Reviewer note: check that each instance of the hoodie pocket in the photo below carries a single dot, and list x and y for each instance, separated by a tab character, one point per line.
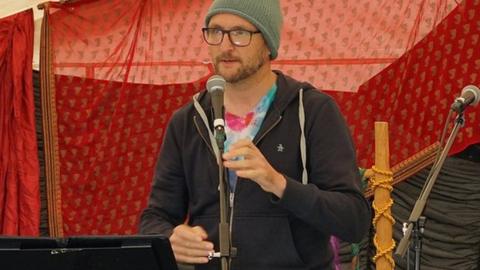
265	242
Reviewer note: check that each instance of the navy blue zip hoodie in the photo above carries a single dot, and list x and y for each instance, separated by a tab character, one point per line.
269	233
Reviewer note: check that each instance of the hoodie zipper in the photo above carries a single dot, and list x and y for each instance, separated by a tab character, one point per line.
268	130
232	193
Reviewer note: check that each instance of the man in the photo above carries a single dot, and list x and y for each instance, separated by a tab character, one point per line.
277	222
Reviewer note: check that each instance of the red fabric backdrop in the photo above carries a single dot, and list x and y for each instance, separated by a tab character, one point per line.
116	62
19	169
109	137
414	94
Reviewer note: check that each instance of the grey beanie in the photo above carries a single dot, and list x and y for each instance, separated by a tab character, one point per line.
266	15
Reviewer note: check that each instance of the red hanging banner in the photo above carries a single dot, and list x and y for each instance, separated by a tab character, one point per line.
19	168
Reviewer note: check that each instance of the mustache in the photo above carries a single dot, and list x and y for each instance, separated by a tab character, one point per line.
226	56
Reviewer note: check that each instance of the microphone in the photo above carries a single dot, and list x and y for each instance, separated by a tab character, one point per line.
470	96
216	87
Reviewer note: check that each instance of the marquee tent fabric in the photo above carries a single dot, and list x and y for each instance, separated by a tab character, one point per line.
415	92
336	45
114	72
19	169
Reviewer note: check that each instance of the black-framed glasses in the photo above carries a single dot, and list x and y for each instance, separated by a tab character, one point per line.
238	37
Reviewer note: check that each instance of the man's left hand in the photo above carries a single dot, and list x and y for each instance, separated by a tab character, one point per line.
248	162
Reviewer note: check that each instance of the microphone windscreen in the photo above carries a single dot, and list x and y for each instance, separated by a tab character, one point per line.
215	83
473	92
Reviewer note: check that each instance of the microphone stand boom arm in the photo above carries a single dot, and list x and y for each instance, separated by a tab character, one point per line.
413	220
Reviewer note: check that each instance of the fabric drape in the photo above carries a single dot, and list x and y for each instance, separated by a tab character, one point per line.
120	68
19	170
414	94
335	45
452	231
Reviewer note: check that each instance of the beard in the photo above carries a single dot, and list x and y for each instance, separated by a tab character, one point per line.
247	67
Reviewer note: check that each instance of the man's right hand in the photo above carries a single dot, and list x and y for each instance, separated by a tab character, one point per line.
189	245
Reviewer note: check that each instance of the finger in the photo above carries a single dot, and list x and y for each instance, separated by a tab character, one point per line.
243	143
187	241
187	233
200	232
200	245
192	252
184	235
248	174
242	164
190	260
245	152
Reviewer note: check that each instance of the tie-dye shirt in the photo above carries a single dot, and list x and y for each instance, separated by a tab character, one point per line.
238	127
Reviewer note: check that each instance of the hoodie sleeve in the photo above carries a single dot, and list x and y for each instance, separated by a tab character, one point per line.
161	215
332	200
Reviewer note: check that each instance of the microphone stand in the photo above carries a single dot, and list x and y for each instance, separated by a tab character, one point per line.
223	226
416	222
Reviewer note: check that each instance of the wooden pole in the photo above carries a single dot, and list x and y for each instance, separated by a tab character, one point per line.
382	186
